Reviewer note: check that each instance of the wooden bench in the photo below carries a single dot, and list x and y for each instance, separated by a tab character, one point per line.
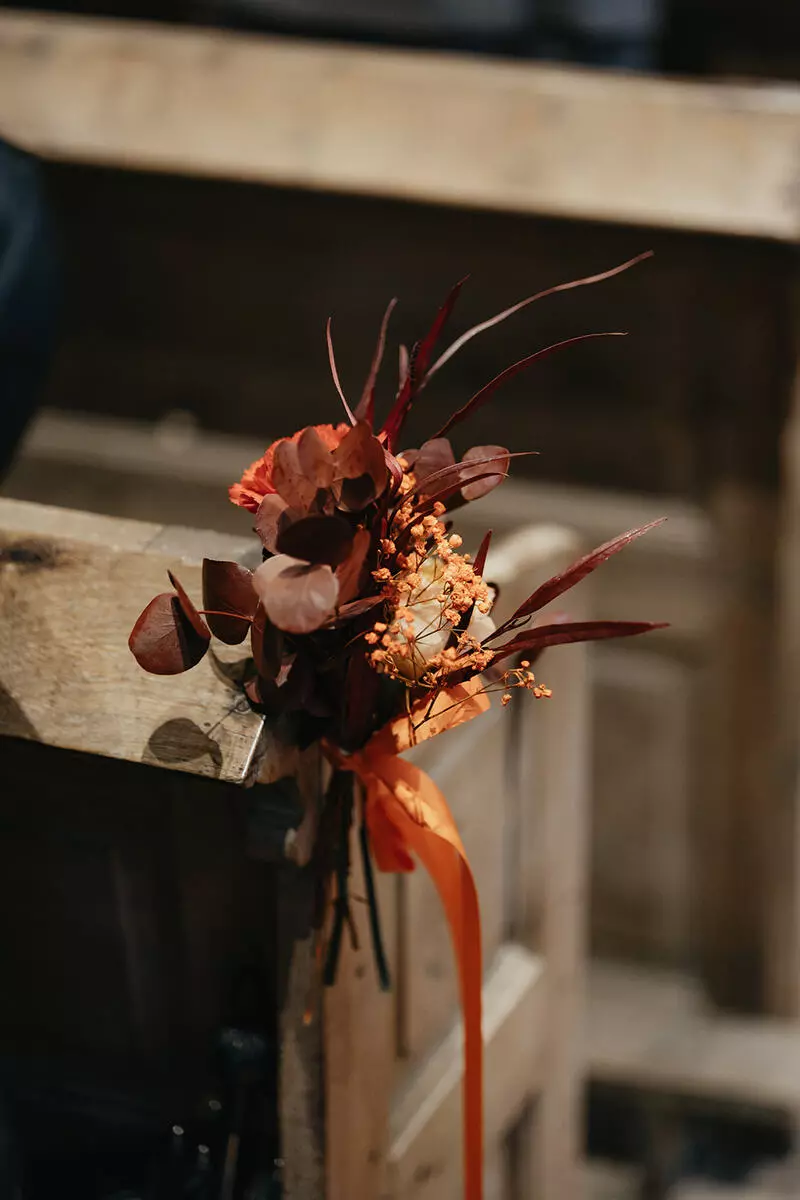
140	872
131	903
685	160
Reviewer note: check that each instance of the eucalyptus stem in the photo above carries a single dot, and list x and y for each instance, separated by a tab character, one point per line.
342	789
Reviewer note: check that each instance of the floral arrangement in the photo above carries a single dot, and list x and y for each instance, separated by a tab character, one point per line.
370	630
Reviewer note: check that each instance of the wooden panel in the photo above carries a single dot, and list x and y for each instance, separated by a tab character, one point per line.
738	781
697	156
655	1030
126	894
127	891
71	586
782	910
424	1153
643	830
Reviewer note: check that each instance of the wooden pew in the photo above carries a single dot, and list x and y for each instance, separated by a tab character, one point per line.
703	172
565	142
132	888
687	158
181	878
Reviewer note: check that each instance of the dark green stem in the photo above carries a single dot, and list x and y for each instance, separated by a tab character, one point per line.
381	964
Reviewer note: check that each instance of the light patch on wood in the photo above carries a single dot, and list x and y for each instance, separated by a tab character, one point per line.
71	587
707	156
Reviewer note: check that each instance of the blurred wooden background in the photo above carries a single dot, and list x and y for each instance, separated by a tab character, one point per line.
201	269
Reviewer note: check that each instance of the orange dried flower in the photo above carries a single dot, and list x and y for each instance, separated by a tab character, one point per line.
256	481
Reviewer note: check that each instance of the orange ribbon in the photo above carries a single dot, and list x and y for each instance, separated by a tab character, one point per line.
405	813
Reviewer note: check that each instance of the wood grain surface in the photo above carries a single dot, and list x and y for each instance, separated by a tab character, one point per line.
71	587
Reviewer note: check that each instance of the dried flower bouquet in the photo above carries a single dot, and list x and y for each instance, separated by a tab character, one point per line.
370	630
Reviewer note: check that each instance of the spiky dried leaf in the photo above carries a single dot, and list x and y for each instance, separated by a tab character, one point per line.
413	370
462	340
487	391
335	373
366	405
552	588
565	632
480	558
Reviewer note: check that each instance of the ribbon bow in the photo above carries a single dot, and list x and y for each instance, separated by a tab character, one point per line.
407	814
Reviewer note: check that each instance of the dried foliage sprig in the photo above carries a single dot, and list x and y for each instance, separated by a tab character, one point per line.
371	629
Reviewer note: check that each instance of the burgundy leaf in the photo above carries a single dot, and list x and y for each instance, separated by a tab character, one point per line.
434	455
463	472
353	495
273	516
266	642
359	453
164	641
578	570
444	496
298	597
361	470
550	618
480	398
189	611
314	458
360	701
366	405
573	631
288	477
335	373
417	368
509	312
479	454
228	588
349	572
317	539
480	557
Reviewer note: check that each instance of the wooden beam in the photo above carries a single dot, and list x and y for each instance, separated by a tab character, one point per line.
72	700
655	1031
443	129
71	586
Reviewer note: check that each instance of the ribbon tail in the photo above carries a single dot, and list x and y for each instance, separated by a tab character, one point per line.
413	804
